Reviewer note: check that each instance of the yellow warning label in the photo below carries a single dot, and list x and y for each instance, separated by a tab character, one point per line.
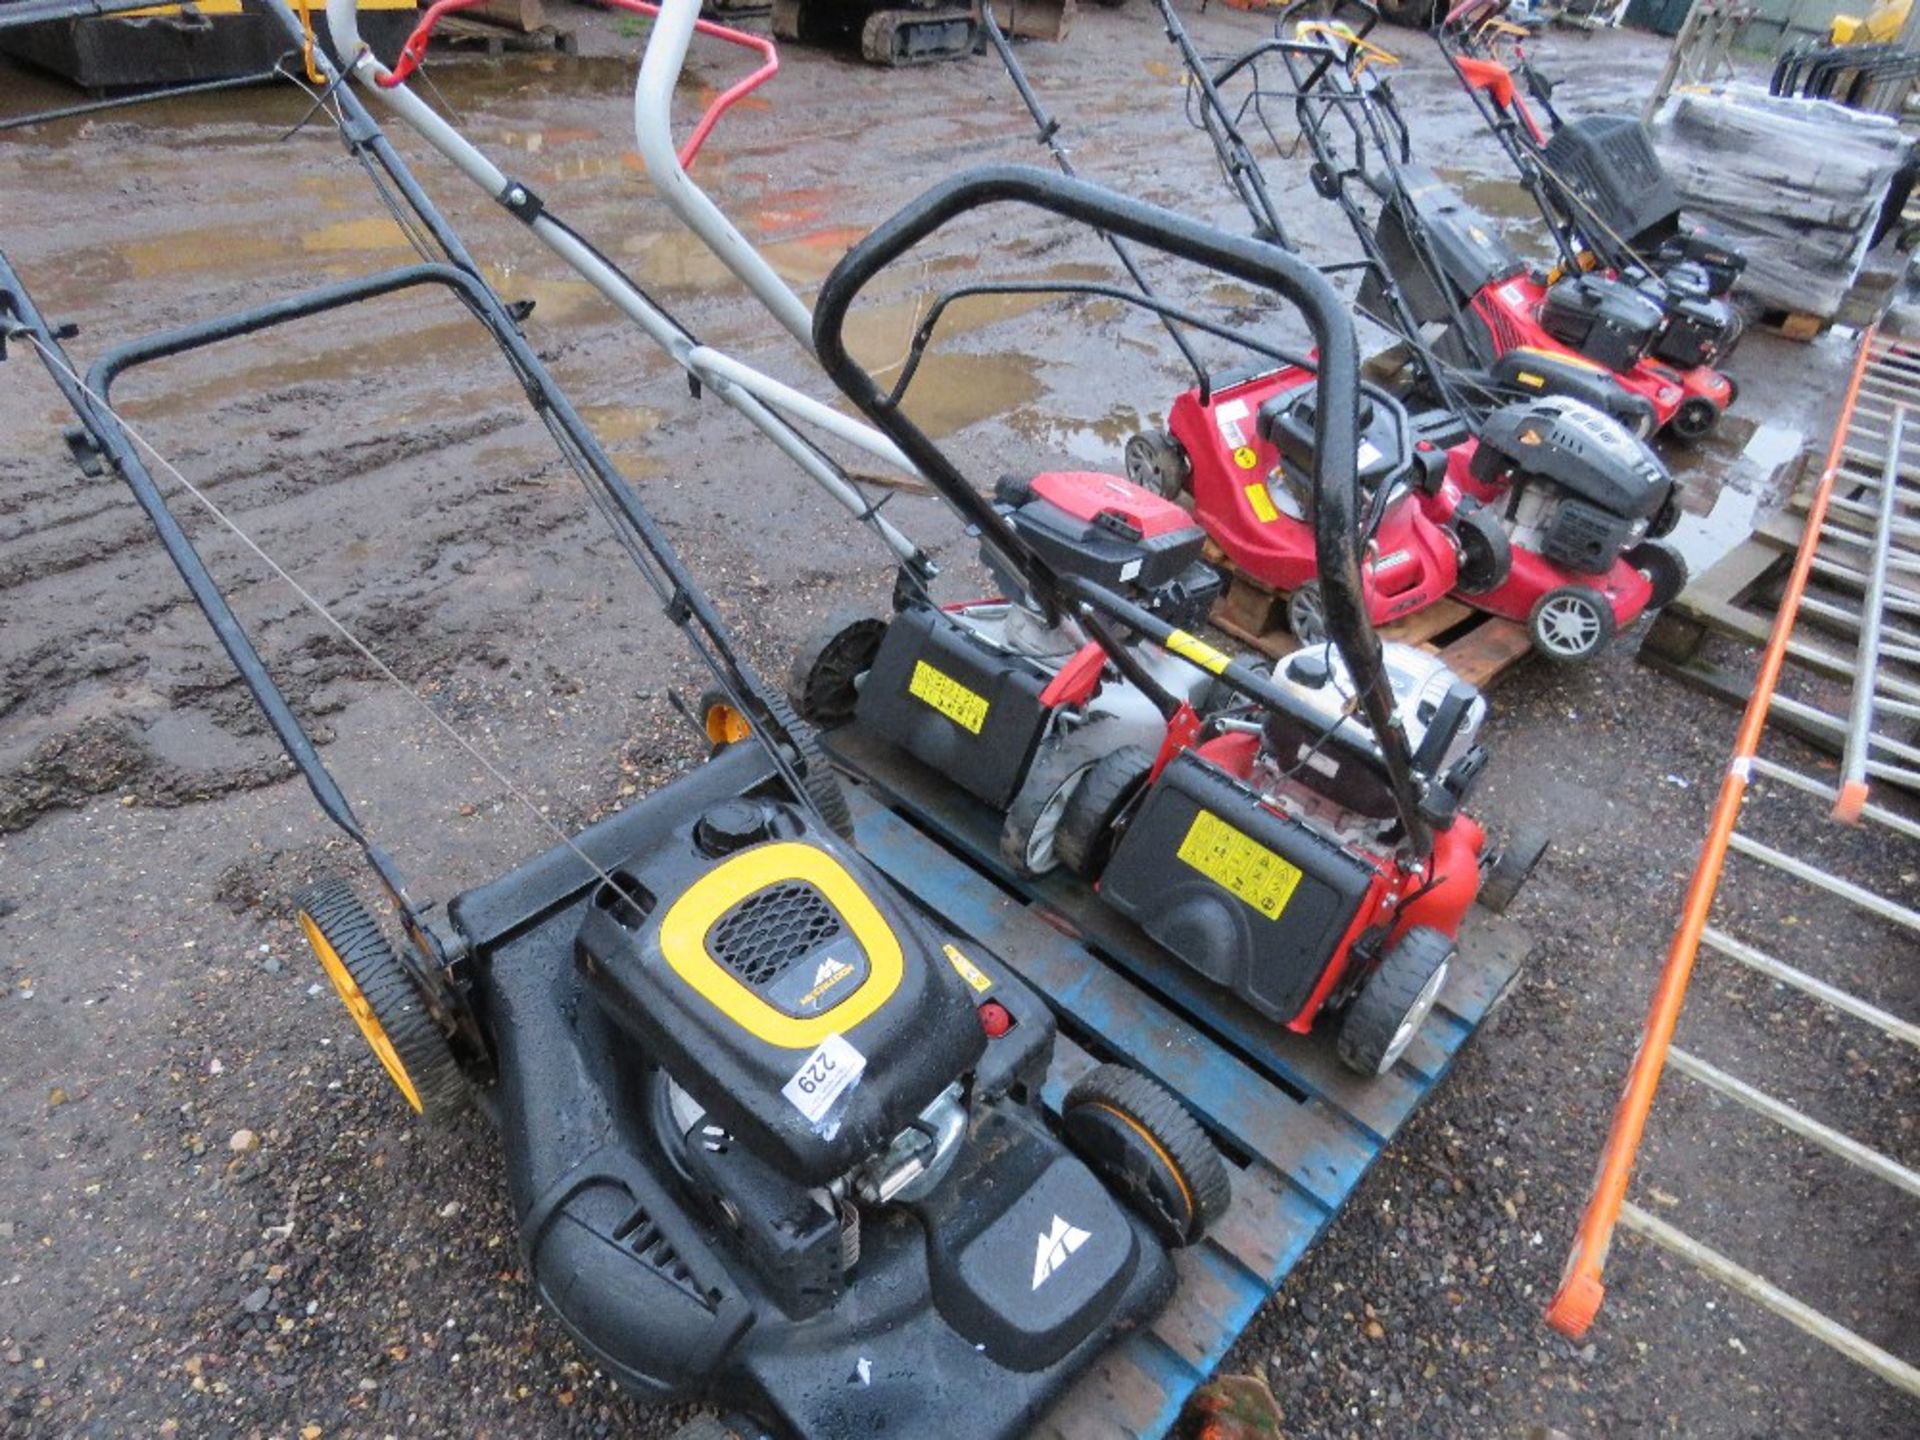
1241	864
1245	458
969	972
1527	377
1262	503
964	707
1192	647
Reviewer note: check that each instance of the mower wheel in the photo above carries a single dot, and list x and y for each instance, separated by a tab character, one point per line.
1694	420
1148	1150
1511	867
1486	555
1571	624
1665	569
1416	14
1085	837
817	776
1307	614
382	996
1388	1012
825	680
1156	462
1032	826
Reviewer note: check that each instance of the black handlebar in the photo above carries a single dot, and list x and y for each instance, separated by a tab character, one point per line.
1251	261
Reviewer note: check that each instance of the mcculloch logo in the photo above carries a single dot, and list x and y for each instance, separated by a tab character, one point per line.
830	974
1055	1246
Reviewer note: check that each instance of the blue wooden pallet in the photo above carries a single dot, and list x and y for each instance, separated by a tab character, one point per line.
1309	1127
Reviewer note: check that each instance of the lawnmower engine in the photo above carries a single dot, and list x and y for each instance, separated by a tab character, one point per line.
1572	485
1607	320
1701	328
774	1140
1270	857
973	690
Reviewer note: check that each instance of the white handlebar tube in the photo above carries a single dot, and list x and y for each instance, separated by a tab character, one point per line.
746	390
660	66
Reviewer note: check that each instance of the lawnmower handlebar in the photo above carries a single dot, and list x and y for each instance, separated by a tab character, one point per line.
1336	413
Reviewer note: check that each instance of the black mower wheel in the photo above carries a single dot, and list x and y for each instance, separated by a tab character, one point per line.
1029	834
1416	14
1665	569
1387	1013
1571	624
382	997
825	680
1486	554
1148	1150
1307	614
817	775
1155	461
1694	420
1085	837
1510	869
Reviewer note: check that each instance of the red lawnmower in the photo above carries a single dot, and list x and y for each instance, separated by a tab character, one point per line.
1299	836
1550	517
1434	264
1599	186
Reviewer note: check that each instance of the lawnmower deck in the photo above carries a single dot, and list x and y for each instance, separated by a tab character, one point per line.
1477	647
1308	1127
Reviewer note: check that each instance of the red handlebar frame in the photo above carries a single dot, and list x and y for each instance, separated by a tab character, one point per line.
414	51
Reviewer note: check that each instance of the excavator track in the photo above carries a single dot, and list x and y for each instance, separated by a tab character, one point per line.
916	37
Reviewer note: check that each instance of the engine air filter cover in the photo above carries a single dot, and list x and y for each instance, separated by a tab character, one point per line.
788	992
1568	443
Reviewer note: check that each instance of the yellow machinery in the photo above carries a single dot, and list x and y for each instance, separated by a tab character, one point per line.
1879	26
202	40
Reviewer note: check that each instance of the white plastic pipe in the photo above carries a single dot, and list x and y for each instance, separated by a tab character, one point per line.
660	68
738	385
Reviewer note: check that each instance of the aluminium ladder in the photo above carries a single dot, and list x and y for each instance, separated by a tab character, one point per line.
1793	833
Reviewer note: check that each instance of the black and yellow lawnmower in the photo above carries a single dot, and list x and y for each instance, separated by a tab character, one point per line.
773	1133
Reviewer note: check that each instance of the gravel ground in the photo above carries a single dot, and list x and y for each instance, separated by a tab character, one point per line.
214	1220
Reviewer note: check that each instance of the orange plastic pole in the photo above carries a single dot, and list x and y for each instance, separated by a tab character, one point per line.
1578	1299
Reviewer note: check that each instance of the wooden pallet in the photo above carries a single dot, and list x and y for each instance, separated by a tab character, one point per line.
1800	325
1478	648
1308	1127
463	32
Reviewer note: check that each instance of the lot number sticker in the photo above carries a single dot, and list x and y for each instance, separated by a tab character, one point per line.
823	1077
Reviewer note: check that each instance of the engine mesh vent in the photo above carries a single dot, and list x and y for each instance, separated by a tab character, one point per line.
766	933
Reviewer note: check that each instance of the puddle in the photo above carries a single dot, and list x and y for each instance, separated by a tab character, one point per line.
953	390
554	298
1060	443
1704	539
1772	446
615	424
1747	484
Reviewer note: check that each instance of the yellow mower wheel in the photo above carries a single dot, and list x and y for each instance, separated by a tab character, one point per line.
382	997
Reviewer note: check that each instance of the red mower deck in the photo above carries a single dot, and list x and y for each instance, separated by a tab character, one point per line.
1308	1126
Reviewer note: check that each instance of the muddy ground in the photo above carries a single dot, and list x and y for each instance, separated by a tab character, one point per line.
351	1273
